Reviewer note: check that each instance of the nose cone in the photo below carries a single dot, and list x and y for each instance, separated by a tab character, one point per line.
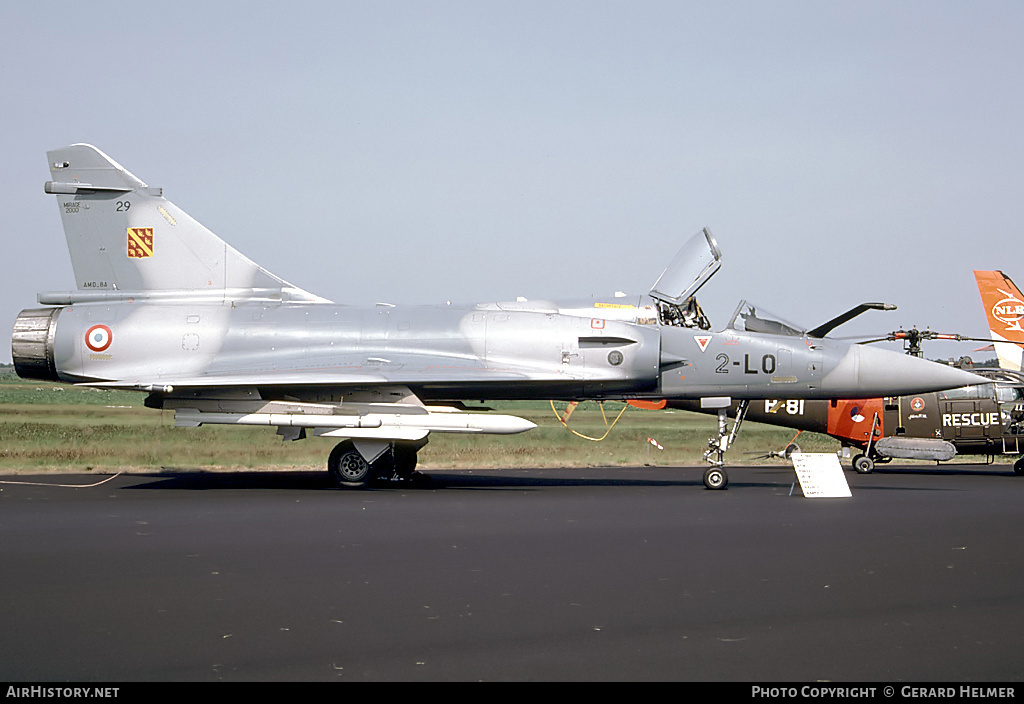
869	372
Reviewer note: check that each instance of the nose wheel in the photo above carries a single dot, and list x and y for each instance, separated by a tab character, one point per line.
715	476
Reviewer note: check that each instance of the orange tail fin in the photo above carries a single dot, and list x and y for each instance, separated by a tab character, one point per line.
1004	308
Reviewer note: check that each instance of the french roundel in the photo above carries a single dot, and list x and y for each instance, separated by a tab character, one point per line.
98	338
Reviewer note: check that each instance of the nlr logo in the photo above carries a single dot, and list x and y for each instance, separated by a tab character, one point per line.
1009	311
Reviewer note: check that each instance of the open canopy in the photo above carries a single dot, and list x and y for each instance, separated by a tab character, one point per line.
693	265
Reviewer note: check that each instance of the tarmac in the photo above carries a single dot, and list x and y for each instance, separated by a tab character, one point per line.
588	575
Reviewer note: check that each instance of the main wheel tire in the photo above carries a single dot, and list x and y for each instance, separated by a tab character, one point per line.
1018	466
863	464
348	468
715	478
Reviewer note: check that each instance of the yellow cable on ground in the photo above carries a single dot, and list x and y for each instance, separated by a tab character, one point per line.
64	486
572	407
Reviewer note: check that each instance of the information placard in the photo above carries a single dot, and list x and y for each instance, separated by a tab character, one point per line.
820	475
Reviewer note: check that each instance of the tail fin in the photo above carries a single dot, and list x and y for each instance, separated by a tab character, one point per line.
1004	307
126	239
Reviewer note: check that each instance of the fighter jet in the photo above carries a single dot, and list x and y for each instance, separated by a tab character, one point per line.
165	307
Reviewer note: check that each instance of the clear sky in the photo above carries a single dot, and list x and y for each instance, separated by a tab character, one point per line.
418	152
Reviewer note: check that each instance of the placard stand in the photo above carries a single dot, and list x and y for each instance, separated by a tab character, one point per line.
820	475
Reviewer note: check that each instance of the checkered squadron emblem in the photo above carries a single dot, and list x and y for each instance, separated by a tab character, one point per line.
140	242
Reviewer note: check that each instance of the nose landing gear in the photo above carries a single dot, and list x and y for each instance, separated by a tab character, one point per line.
715	476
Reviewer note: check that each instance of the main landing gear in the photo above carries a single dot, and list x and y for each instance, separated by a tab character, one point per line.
864	463
715	476
355	467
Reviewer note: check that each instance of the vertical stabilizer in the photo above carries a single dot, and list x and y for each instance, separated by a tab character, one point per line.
1004	308
124	236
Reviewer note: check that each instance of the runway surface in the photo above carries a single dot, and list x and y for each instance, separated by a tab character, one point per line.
604	574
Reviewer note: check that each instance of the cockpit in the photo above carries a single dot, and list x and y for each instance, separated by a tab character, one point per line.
675	290
751	318
674	295
687	315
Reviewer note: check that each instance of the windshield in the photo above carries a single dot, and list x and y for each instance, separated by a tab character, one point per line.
1009	394
975	391
750	318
